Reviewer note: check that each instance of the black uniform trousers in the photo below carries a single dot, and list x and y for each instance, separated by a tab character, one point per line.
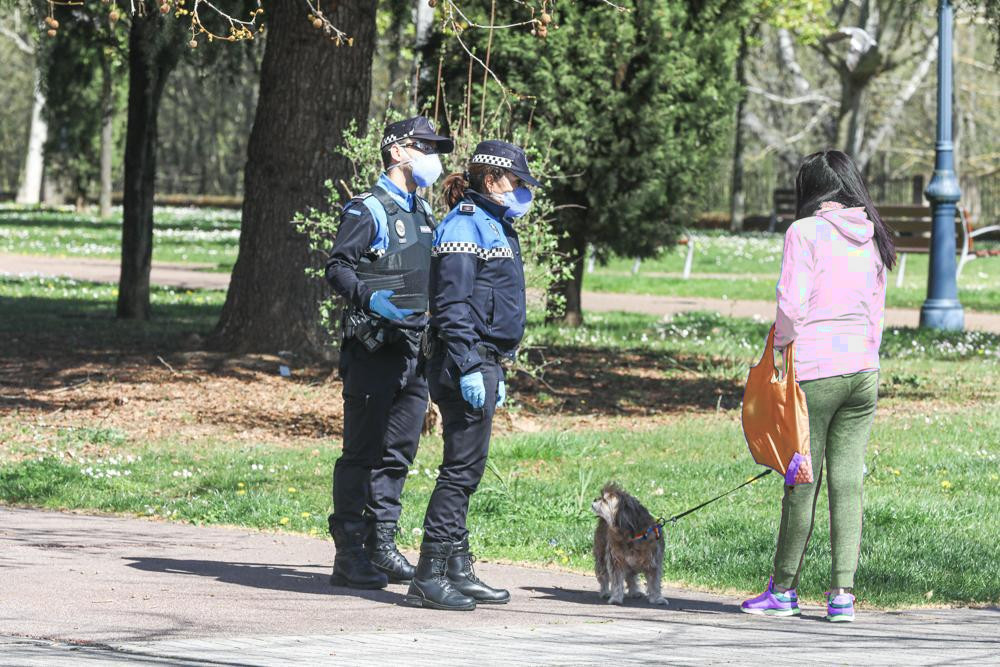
466	445
385	400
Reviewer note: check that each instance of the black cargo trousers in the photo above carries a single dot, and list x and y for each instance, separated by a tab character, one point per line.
467	433
385	401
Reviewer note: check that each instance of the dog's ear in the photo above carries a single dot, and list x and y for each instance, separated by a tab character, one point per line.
629	515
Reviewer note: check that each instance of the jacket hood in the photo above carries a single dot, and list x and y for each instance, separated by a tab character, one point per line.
852	223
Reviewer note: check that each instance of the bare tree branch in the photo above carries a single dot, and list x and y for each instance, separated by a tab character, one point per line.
896	109
811	98
774	141
19	41
786	55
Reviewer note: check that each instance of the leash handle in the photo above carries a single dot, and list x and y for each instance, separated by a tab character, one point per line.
675	517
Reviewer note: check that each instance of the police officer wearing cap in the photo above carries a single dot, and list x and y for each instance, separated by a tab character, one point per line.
477	302
380	264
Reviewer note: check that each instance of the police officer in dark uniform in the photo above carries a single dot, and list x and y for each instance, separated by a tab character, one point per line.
380	264
477	301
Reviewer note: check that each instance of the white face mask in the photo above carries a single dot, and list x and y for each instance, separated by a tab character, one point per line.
426	169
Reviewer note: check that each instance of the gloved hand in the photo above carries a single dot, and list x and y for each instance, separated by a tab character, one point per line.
501	393
381	305
473	389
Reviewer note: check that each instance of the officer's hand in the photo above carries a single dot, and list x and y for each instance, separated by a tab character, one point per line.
473	389
501	393
380	304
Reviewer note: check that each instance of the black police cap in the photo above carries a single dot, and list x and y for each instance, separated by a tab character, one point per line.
506	155
416	128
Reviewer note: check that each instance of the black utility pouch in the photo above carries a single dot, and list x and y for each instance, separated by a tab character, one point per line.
365	330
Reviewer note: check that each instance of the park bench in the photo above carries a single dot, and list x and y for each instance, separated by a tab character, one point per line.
783	210
911	223
912	227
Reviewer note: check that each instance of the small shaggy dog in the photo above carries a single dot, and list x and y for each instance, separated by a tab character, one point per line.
628	542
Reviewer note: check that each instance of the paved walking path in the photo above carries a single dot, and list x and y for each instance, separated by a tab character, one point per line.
184	276
79	589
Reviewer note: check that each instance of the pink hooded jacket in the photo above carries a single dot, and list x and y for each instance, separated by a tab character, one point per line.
831	294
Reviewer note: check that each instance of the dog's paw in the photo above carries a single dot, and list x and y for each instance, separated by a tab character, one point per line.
636	594
605	594
615	599
659	600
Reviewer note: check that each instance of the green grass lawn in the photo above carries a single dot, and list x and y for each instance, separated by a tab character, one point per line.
211	236
81	315
754	261
931	490
180	235
930	494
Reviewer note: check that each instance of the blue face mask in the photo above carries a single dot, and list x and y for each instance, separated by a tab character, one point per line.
518	201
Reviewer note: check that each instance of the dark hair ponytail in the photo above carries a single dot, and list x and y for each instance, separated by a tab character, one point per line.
455	186
457	183
833	176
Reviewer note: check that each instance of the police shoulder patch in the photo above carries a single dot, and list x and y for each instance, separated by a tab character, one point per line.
466	209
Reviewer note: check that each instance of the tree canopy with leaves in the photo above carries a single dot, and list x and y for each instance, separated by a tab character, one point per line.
634	105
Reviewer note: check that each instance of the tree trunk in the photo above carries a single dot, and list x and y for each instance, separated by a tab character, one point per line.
851	118
107	147
737	194
574	248
30	190
152	55
309	91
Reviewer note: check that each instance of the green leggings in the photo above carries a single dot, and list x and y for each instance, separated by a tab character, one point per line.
841	411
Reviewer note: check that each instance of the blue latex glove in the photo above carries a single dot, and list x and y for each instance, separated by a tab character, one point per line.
473	389
501	393
380	304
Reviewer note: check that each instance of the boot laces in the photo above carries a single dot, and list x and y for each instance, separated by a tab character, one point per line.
470	571
440	573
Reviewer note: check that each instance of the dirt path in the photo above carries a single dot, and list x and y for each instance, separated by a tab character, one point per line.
671	305
188	277
185	276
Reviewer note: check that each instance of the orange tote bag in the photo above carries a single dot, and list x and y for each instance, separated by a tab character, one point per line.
775	418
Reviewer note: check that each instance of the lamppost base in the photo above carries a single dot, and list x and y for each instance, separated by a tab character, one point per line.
942	314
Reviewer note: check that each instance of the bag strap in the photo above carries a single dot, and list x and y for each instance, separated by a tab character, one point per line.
768	355
790	361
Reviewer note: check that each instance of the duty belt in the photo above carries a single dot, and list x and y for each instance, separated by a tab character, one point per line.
434	342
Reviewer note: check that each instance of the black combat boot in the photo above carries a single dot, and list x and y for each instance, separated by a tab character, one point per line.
351	566
385	556
464	578
431	587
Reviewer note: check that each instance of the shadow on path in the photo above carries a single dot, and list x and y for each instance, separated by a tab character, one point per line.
589	597
287	578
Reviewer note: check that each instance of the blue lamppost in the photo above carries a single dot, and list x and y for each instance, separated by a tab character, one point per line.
942	310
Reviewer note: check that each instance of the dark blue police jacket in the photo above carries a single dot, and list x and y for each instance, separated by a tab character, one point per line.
477	292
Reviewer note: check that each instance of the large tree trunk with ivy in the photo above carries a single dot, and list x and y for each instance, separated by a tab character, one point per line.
153	50
310	90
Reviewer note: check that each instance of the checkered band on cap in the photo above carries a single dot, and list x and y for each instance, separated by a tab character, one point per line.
392	138
495	160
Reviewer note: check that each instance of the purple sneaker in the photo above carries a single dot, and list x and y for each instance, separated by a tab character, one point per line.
772	603
839	608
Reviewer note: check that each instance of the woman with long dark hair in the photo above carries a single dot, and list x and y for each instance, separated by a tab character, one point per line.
477	303
831	304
